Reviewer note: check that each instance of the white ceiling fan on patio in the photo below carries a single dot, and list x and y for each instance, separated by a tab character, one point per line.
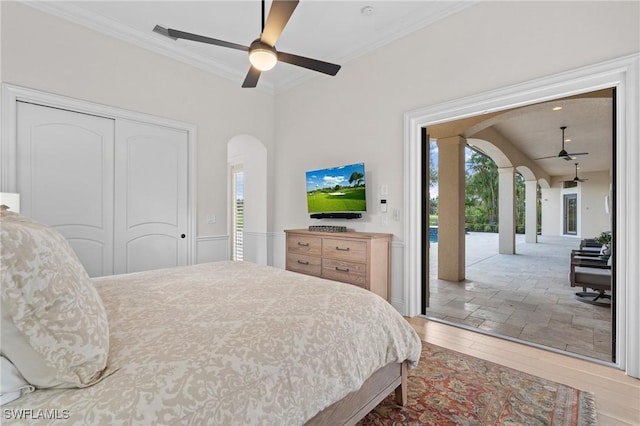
563	153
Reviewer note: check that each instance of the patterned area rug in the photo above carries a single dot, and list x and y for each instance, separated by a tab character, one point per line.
451	388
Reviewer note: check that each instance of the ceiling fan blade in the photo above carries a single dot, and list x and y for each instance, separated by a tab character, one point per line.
572	156
162	30
545	158
566	157
251	80
312	64
176	34
279	14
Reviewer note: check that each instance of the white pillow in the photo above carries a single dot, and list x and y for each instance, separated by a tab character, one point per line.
12	384
54	325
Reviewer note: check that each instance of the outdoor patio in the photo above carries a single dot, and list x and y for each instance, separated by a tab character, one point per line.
525	296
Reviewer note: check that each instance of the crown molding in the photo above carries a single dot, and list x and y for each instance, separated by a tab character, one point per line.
151	41
158	44
407	25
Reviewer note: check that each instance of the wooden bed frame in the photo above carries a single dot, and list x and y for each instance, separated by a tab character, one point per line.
353	407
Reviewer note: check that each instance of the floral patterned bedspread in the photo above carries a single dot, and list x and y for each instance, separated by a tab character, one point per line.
228	343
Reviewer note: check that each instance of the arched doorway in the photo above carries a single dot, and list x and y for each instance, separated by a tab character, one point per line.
247	171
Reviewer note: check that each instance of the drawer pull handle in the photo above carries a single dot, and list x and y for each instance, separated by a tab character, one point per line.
342	249
303	263
303	244
342	269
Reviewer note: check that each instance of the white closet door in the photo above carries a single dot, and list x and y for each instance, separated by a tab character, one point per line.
151	197
65	178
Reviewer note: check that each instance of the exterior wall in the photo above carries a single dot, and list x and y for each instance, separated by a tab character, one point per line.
551	211
595	218
592	218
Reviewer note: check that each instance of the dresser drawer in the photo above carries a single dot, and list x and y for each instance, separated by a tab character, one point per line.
348	250
357	258
348	272
305	264
304	244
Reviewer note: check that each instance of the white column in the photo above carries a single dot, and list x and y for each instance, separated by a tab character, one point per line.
506	205
531	211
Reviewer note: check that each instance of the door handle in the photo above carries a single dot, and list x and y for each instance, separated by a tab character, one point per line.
182	236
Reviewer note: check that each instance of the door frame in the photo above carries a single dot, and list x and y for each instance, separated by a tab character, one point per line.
623	74
11	94
566	198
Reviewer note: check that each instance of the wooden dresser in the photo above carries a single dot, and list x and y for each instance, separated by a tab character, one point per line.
359	258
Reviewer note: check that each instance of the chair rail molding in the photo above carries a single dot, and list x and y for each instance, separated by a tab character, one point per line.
623	74
212	248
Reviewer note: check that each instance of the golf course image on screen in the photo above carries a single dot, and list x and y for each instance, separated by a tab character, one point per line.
336	189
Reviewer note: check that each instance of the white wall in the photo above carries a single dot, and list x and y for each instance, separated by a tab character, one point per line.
358	115
43	52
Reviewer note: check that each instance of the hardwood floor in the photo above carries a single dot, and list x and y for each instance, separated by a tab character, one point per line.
617	395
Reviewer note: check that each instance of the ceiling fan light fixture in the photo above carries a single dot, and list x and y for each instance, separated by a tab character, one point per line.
262	56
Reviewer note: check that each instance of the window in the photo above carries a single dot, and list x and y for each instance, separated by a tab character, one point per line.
237	179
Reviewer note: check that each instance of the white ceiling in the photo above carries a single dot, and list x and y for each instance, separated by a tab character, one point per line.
535	131
334	31
331	31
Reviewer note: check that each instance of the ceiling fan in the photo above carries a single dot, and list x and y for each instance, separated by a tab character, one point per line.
577	179
563	153
262	52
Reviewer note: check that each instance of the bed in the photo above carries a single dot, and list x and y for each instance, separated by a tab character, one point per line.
229	343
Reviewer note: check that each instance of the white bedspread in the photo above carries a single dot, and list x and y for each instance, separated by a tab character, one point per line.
229	343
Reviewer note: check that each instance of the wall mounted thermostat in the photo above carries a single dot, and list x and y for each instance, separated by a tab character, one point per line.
383	206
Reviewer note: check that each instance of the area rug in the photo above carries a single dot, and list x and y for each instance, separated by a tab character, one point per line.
451	388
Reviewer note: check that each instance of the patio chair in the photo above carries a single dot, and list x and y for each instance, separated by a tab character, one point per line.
590	243
591	273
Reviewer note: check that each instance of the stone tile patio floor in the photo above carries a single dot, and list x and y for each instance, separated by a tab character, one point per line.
525	296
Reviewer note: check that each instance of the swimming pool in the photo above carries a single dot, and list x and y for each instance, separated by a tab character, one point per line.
433	234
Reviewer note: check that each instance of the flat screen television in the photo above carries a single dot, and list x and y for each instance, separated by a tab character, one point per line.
337	190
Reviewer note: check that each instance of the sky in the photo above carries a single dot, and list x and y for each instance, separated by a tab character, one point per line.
328	178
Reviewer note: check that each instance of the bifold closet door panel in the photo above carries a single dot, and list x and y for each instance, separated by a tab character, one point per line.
65	169
151	181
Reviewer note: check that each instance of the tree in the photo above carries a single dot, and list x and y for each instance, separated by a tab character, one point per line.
433	163
356	177
433	176
481	193
520	207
